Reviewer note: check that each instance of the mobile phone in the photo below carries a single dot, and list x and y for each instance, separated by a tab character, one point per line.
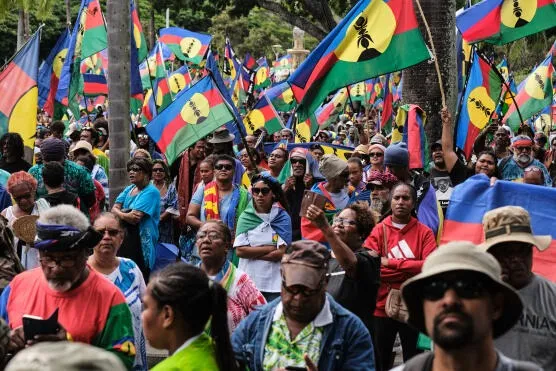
311	198
34	325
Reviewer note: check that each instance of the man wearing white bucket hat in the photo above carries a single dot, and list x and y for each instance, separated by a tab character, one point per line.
509	238
461	302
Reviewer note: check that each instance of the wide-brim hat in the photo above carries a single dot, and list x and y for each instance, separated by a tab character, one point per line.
461	257
221	136
25	228
511	224
83	144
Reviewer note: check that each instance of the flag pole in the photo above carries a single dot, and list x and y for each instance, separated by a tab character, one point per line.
507	88
22	47
350	101
436	65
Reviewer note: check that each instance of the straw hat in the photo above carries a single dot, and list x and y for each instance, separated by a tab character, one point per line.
461	256
25	228
511	224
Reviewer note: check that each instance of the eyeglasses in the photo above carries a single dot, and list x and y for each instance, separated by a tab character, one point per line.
64	262
158	170
143	136
135	169
301	289
25	196
111	232
294	161
264	191
533	169
523	149
376	154
226	167
211	236
465	289
344	222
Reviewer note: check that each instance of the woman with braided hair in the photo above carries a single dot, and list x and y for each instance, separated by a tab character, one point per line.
178	303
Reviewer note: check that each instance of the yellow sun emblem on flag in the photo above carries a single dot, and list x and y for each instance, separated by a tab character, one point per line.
58	62
253	121
190	46
196	110
518	13
480	107
177	83
369	35
535	84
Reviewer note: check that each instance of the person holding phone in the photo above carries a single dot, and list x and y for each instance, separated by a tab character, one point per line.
90	308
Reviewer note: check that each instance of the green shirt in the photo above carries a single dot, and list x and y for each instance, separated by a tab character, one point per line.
280	351
199	355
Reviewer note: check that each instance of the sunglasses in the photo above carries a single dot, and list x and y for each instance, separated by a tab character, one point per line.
297	161
532	169
226	167
143	136
344	222
135	169
264	191
301	290
111	232
64	262
158	170
376	154
465	289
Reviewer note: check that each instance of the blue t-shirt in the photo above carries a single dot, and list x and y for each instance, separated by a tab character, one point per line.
148	202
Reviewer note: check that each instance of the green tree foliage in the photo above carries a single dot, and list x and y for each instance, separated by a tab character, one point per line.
254	33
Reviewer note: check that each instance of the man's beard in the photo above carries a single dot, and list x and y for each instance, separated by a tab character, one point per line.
457	337
60	285
523	159
377	204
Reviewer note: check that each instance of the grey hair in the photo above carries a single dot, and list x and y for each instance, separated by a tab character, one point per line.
65	215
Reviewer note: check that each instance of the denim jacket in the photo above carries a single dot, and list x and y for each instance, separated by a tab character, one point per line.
346	343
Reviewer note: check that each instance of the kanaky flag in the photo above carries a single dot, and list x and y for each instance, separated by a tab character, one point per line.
186	45
376	37
373	90
194	114
534	95
49	74
249	62
149	108
507	98
343	152
179	80
409	128
138	34
281	97
386	117
231	66
503	21
479	102
328	113
19	92
473	198
88	37
357	92
262	76
283	63
161	87
94	85
262	115
305	130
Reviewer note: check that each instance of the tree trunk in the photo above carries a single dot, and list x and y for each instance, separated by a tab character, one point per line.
151	26
118	24
312	29
21	29
68	13
420	83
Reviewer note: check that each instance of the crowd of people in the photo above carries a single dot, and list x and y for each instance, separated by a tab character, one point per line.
262	282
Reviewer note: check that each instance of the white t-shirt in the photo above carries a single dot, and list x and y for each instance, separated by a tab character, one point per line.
265	274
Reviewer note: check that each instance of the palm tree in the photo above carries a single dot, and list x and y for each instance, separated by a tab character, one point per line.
118	23
420	83
23	7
